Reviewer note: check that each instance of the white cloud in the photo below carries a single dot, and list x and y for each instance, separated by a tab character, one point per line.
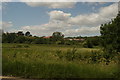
60	0
86	24
104	15
6	25
83	31
47	29
51	4
7	0
109	11
59	15
48	0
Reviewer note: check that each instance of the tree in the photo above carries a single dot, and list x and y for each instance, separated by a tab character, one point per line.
57	36
20	33
28	33
95	40
20	39
110	33
88	44
8	37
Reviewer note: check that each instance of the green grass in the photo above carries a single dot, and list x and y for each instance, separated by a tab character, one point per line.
43	61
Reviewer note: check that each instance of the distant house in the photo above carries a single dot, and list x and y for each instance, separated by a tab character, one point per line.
74	39
47	37
82	39
78	39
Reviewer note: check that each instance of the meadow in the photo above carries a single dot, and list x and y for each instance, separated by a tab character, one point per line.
56	61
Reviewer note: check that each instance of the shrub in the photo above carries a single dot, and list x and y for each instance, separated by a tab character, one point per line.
58	42
88	44
59	54
70	55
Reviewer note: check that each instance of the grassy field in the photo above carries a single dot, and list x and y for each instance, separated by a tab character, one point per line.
54	61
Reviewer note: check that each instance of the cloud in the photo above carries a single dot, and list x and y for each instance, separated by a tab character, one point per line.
7	0
82	24
84	31
59	15
6	25
60	0
104	15
47	29
95	3
110	11
51	4
48	0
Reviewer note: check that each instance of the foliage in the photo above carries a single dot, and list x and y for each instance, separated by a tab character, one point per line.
70	55
59	54
28	33
57	36
110	34
8	37
20	39
88	44
20	33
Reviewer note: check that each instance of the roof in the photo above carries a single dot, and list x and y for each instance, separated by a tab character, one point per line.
47	37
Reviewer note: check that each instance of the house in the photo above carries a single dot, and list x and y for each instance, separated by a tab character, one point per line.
74	39
47	37
79	39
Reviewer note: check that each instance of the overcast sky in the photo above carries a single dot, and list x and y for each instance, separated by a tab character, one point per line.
70	18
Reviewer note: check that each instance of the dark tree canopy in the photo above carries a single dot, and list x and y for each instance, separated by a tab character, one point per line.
27	33
57	34
20	33
110	33
8	37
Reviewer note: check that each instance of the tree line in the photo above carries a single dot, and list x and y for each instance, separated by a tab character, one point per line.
56	38
20	37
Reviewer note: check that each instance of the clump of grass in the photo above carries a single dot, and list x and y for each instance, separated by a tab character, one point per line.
26	46
70	54
18	46
15	55
59	54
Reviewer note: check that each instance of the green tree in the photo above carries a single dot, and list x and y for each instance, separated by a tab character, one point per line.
57	36
8	37
28	33
88	44
20	33
20	39
110	33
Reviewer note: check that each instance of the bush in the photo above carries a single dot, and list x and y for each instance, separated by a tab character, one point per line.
94	56
20	39
70	55
59	54
88	44
58	42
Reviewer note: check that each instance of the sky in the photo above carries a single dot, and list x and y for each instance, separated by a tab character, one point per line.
44	18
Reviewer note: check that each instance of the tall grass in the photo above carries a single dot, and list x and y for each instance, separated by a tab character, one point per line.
52	61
